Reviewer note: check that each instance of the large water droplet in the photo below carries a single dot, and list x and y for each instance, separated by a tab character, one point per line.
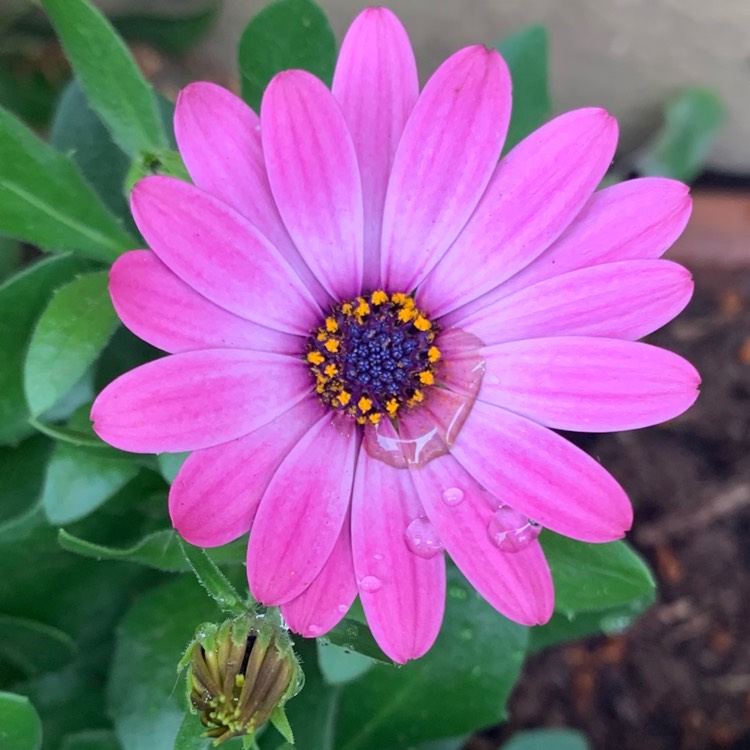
431	428
370	584
511	531
422	538
453	496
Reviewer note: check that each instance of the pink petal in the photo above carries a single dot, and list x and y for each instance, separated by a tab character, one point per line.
536	192
517	584
301	514
221	255
634	220
625	300
219	140
376	85
447	153
588	384
163	310
313	173
217	491
542	475
403	594
197	399
323	604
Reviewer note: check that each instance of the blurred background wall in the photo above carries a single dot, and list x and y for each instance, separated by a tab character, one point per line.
625	55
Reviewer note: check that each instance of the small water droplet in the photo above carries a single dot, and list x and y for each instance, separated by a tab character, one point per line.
457	592
453	496
377	556
370	584
422	538
511	531
313	631
466	634
342	608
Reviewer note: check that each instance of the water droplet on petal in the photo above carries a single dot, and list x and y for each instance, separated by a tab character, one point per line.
377	556
342	608
313	631
453	496
511	531
422	539
370	584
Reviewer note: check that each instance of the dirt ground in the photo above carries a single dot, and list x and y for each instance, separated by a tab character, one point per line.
679	679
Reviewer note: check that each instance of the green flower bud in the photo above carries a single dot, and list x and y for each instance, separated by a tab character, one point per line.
240	675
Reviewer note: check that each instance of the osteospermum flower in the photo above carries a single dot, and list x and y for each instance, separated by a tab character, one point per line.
375	324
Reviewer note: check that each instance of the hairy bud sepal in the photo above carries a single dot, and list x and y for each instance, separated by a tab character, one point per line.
240	674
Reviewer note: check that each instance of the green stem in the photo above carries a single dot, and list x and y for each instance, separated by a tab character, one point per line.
213	580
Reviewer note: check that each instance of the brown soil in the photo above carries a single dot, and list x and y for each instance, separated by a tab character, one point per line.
679	679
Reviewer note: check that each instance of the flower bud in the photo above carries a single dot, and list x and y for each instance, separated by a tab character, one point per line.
240	675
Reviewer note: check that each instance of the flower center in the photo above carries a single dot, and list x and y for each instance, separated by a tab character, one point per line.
373	356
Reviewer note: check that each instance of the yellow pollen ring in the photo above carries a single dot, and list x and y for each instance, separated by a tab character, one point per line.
348	342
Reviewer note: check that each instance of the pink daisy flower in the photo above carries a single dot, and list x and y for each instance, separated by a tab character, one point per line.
374	324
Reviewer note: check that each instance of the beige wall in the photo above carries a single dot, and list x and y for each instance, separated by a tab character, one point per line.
626	55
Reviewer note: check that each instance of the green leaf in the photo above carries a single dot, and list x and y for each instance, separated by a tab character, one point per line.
159	550
593	577
157	162
78	481
170	464
69	336
21	472
44	199
546	739
93	739
285	34
339	666
11	257
527	56
25	89
109	75
478	654
144	690
679	150
32	646
20	727
562	628
22	298
354	635
172	33
77	130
